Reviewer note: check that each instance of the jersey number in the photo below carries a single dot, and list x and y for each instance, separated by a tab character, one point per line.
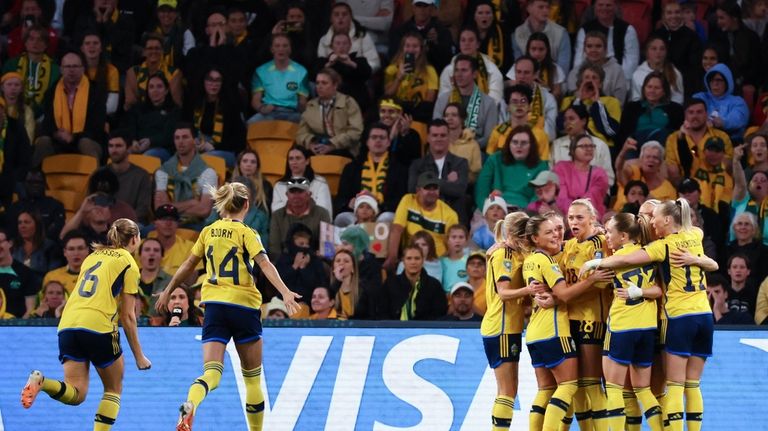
571	277
93	278
637	281
227	268
689	286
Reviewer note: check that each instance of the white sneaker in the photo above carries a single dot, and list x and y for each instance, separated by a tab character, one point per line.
31	389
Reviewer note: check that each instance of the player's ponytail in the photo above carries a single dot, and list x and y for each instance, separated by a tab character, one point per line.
119	235
636	227
686	224
511	227
230	198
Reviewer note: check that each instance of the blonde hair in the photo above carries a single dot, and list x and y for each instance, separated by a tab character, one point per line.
586	203
680	211
230	198
119	235
511	227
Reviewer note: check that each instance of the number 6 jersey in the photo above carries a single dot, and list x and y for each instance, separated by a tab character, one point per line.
229	247
92	305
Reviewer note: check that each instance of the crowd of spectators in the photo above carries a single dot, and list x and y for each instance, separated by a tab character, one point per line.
452	114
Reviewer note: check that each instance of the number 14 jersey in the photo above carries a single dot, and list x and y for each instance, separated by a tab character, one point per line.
229	247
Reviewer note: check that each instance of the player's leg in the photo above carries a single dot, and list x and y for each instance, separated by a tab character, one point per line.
506	391
590	383
547	385
71	391
566	374
702	349
109	406
250	358
213	367
615	377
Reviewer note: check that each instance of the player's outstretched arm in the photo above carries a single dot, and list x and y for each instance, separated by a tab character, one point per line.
128	318
183	273
269	270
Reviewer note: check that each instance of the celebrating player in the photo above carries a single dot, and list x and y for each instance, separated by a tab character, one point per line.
88	328
231	301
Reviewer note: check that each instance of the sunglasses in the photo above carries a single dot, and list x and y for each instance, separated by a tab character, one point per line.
298	182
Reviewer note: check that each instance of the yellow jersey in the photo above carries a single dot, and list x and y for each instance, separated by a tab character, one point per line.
594	303
229	247
548	323
633	314
686	286
503	317
103	276
63	275
436	221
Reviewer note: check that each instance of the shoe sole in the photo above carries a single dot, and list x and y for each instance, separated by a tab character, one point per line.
30	391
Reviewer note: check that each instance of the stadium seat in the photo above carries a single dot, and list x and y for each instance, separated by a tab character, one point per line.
70	199
330	167
275	146
148	163
69	172
272	166
217	164
421	129
272	130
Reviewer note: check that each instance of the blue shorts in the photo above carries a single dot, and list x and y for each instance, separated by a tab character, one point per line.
550	353
225	321
690	335
502	348
81	345
631	347
587	332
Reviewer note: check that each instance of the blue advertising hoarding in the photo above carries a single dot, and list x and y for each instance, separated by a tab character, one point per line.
381	379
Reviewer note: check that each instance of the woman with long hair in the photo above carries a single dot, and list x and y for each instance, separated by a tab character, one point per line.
411	80
462	139
343	21
656	59
32	248
181	309
298	165
689	332
232	301
494	35
152	121
551	75
489	78
99	70
11	89
249	166
88	327
354	300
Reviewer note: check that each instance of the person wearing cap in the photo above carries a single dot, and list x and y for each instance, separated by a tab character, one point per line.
538	20
749	195
413	82
579	179
725	110
299	208
14	155
494	209
365	209
476	271
405	142
482	109
422	210
452	170
39	72
508	171
176	248
546	186
647	168
135	185
170	29
377	173
460	304
685	149
519	107
437	37
12	90
275	309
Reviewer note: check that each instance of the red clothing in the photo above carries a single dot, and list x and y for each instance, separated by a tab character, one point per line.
576	184
16	42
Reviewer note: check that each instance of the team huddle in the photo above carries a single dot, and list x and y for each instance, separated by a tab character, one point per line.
620	325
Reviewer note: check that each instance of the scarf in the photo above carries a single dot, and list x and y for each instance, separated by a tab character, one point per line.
326	110
218	123
472	108
536	116
181	183
143	74
71	119
408	312
482	74
494	46
374	176
37	77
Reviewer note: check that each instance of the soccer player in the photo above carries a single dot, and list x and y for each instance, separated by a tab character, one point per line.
552	350
88	328
588	304
231	301
502	325
690	324
632	323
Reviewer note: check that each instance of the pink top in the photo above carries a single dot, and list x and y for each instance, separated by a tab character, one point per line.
577	184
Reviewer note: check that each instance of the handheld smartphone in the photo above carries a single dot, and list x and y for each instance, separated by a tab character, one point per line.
410	61
30	20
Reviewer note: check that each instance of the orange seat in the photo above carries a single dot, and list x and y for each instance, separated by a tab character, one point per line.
330	167
272	130
148	163
69	171
70	199
275	146
272	166
217	164
421	129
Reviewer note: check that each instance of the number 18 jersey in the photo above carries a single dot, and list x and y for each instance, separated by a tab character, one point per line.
92	305
229	247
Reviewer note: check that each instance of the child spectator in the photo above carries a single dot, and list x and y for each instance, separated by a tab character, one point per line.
476	277
276	309
454	262
494	209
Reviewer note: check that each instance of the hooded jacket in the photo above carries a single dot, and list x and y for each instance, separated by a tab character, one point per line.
731	109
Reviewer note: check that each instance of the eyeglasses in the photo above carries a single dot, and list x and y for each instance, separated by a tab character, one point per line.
516	143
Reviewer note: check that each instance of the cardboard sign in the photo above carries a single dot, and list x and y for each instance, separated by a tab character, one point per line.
378	233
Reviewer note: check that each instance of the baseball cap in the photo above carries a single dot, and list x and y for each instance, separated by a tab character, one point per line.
276	304
462	285
167	3
425	2
366	199
479	255
494	200
714	144
543	178
688	185
390	103
298	183
427	179
167	211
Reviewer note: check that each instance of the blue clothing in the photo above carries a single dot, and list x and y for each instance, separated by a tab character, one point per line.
483	237
454	271
280	87
731	109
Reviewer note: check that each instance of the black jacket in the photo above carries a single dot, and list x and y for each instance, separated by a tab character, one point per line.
439	54
634	110
351	178
95	118
16	151
354	80
430	301
684	49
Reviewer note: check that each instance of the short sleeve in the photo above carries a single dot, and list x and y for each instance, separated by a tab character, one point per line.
401	214
657	250
197	249
161	180
207	178
113	80
253	244
131	282
303	86
550	271
502	267
256	83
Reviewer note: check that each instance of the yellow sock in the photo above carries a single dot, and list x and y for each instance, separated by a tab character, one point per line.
581	408
60	391
501	415
597	402
558	405
632	410
614	414
539	408
106	414
254	398
694	405
661	398
651	408
674	406
206	383
567	419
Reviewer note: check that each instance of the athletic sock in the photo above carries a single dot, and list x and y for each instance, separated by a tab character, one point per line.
567	419
254	398
501	415
597	402
581	410
558	405
106	414
60	391
539	408
614	415
651	408
694	405
206	383
674	406
632	410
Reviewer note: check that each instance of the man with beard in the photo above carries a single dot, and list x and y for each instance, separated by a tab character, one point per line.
460	308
